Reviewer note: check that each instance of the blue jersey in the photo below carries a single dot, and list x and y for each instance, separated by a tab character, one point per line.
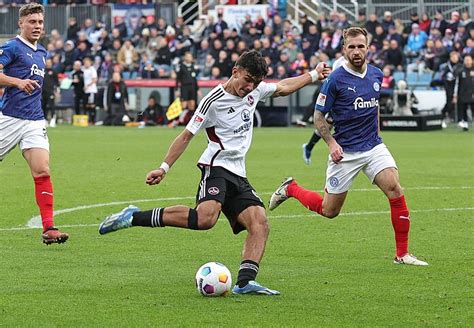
23	60
353	99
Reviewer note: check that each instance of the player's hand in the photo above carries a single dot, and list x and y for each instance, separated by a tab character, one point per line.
337	154
323	70
28	85
154	177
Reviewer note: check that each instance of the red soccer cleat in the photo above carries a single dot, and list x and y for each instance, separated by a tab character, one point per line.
53	235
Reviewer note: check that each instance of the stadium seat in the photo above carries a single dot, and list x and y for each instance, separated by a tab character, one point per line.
424	80
398	76
412	79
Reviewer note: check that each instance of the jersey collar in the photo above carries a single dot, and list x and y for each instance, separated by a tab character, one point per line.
28	43
361	75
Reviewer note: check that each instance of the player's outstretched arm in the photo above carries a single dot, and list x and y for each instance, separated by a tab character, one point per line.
290	85
324	130
174	152
26	85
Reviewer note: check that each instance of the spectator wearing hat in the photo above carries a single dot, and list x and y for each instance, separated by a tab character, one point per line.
448	39
68	55
220	25
387	21
361	19
461	34
414	19
439	22
305	23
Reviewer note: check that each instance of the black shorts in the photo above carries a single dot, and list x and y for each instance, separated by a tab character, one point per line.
188	92
233	192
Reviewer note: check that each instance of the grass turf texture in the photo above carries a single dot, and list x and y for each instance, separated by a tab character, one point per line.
330	272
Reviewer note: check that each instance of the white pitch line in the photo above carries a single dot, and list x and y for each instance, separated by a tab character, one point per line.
35	222
455	209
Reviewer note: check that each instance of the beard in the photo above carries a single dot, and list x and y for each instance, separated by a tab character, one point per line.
357	62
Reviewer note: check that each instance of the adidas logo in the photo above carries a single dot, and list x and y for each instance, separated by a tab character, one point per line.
231	110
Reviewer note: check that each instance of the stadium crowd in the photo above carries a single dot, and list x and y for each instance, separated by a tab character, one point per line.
153	48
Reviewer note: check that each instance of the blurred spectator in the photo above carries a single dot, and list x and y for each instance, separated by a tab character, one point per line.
185	42
387	21
378	37
121	27
343	22
449	73
220	25
464	92
455	20
186	80
425	23
386	90
128	57
179	25
361	19
404	100
78	87
116	45
57	65
281	72
439	22
117	101
277	25
215	73
448	39
153	113
416	41
305	23
372	23
48	92
259	25
106	68
461	34
414	19
73	29
149	70
90	88
81	51
224	63
300	65
163	59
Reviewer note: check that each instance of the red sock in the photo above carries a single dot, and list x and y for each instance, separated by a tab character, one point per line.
44	199
310	199
401	223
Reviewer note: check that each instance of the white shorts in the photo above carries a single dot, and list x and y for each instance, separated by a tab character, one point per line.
339	177
28	134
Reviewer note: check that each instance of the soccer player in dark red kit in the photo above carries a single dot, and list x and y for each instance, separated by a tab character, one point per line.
22	69
351	94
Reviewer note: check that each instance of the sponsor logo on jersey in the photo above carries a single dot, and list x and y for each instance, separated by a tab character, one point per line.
376	86
250	100
245	115
243	127
35	70
334	182
360	103
29	55
198	119
352	89
231	110
321	99
213	191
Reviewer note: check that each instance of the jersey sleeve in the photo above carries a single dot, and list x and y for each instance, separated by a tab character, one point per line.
7	53
326	96
202	118
266	90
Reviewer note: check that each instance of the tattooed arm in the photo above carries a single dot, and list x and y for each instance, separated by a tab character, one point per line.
325	131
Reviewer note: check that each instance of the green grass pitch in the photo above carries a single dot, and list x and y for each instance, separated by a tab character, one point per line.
331	273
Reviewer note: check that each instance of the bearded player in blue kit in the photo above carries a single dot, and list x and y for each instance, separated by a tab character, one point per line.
351	95
22	69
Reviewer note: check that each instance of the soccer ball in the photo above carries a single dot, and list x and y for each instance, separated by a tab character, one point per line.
213	279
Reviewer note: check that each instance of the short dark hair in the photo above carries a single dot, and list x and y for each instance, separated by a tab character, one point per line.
31	8
254	63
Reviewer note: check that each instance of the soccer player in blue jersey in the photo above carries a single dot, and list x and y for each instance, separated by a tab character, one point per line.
351	93
22	69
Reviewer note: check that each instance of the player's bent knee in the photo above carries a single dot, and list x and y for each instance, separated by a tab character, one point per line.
201	220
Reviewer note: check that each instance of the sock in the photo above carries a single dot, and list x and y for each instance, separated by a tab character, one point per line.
44	199
308	198
312	141
401	224
152	218
247	271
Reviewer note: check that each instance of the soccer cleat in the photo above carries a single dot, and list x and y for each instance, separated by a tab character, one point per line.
306	154
54	236
254	288
280	195
409	260
117	221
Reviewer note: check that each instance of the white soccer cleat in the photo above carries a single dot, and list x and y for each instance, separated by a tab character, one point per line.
280	195
409	259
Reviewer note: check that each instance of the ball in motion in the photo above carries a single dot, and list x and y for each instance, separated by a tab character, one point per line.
213	279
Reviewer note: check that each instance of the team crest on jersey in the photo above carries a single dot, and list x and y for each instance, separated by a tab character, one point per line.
334	182
376	86
250	100
245	115
321	99
213	191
